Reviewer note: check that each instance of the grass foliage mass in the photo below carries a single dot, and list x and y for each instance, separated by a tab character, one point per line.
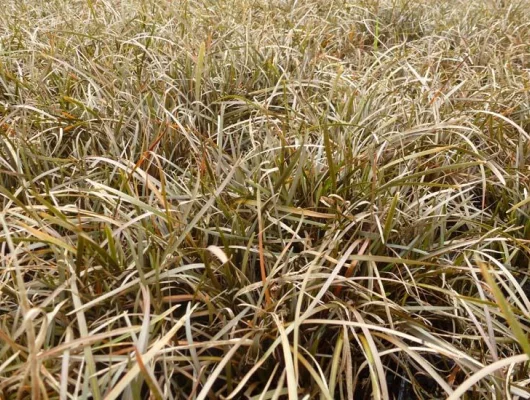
254	199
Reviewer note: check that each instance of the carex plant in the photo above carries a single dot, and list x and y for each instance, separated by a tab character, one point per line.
254	199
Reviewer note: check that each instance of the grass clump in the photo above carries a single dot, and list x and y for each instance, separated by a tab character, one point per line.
255	199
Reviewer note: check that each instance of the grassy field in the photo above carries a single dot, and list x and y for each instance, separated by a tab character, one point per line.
253	199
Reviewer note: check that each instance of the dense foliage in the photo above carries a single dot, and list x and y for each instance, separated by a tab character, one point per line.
205	199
